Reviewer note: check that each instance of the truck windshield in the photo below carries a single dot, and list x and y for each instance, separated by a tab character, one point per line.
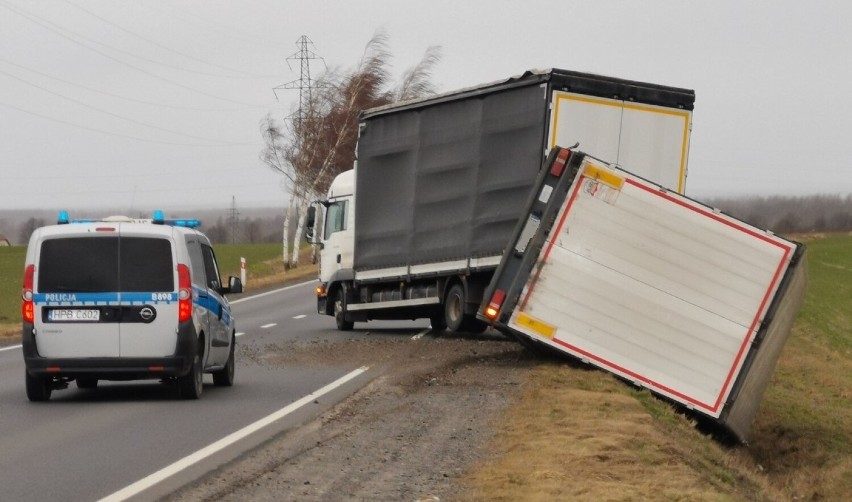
106	264
335	219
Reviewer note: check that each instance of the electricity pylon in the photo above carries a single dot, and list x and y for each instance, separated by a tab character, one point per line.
304	84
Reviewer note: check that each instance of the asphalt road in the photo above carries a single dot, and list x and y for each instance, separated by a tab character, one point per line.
93	444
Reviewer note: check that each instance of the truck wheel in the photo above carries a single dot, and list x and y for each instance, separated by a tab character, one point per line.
38	388
225	376
342	323
454	308
191	384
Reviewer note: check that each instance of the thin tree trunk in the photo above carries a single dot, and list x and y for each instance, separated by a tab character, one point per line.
303	209
285	239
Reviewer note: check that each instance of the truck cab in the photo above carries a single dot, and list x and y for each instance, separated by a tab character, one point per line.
338	235
337	242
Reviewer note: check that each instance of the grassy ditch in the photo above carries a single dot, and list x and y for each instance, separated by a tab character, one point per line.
580	434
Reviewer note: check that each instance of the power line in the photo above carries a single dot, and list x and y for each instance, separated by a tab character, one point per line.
44	24
110	133
121	51
205	25
137	122
126	98
165	47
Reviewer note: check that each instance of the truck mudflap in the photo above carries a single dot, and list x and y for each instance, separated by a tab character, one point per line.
650	285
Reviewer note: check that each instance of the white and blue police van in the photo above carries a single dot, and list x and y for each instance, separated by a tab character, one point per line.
125	299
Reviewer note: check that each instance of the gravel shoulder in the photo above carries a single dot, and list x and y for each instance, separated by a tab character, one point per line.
411	434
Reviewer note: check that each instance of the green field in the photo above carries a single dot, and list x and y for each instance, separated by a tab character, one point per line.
11	277
262	259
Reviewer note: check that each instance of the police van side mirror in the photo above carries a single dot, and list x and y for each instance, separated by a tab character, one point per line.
235	285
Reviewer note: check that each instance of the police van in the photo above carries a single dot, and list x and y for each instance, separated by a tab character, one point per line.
125	299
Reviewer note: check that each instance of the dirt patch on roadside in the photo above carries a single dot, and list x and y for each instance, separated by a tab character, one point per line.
409	435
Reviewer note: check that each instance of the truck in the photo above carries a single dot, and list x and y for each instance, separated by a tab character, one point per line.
418	227
664	292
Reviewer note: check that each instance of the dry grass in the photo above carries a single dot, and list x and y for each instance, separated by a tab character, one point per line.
581	434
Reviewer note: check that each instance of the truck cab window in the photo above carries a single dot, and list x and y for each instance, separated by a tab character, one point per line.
335	219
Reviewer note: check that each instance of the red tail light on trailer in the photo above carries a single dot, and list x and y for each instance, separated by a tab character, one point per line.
493	308
559	164
184	293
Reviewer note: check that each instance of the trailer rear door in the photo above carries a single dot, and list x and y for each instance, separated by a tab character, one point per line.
643	282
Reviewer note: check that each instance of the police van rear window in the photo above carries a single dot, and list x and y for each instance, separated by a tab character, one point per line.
105	264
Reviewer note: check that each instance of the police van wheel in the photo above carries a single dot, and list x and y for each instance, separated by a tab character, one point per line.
225	376
190	385
38	388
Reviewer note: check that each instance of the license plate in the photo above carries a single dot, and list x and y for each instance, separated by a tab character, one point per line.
72	315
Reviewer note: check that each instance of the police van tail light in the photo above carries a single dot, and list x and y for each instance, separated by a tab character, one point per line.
27	303
184	294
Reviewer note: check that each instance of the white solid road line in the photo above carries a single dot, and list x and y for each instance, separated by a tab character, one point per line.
10	347
226	441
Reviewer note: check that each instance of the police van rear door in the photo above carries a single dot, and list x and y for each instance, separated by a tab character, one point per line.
148	288
76	297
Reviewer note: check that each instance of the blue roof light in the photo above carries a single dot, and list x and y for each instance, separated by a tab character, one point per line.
158	217
185	223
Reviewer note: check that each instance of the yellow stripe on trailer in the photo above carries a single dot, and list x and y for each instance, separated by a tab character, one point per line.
531	323
604	176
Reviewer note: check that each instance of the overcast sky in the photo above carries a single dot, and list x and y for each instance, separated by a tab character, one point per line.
156	104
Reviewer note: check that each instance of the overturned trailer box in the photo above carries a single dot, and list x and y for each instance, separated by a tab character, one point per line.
650	285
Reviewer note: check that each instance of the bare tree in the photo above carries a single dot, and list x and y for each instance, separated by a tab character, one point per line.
275	156
417	82
321	144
